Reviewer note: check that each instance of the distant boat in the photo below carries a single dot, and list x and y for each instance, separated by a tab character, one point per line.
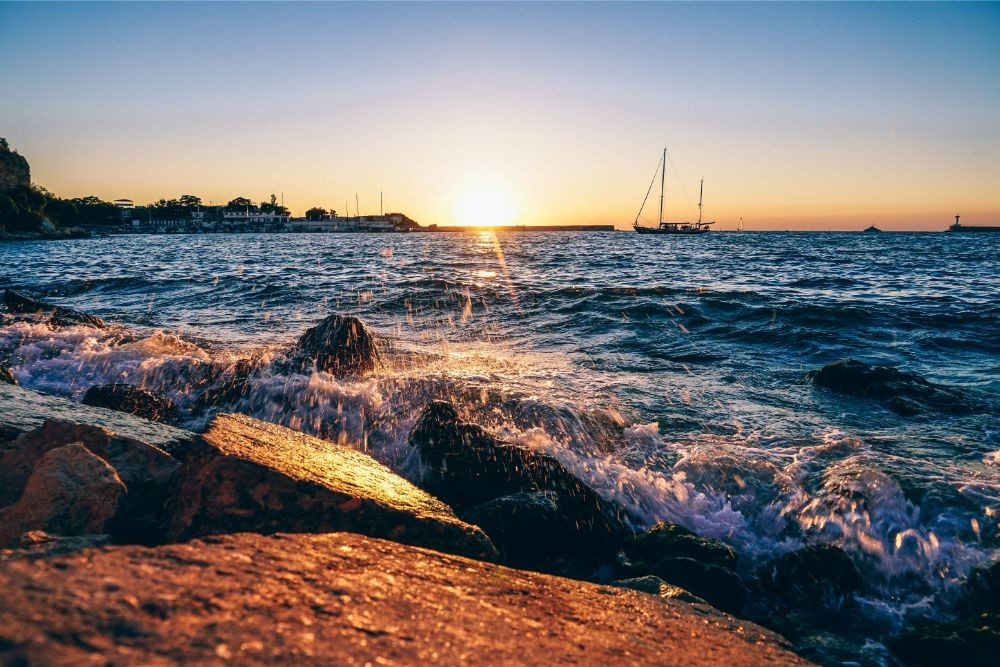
957	227
873	228
670	227
739	225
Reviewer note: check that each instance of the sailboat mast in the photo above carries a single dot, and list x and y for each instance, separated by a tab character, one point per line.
663	178
701	194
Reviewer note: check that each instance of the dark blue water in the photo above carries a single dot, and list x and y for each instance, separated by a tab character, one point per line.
668	372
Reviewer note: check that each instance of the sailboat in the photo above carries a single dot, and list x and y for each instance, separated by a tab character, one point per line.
671	227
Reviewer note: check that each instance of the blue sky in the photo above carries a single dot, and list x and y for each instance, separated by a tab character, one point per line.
813	114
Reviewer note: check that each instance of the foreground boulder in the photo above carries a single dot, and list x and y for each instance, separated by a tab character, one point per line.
344	599
131	399
70	492
467	467
59	316
904	393
340	345
249	475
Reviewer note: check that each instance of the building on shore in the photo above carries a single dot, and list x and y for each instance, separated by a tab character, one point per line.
332	223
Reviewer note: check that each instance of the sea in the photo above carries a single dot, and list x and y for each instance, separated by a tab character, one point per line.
669	373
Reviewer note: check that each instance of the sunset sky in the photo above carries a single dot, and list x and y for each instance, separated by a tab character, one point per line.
798	116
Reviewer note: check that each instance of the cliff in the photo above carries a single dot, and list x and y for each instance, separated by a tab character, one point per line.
14	169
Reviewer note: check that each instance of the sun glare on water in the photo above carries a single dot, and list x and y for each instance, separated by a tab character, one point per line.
484	205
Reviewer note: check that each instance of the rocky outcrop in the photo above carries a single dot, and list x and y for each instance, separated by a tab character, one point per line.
702	566
40	311
14	169
904	393
7	376
131	399
340	345
70	492
148	473
344	599
655	586
248	475
818	573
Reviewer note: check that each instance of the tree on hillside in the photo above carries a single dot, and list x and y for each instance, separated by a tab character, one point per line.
316	213
190	201
239	204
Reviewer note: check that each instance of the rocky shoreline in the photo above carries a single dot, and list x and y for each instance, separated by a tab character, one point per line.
159	533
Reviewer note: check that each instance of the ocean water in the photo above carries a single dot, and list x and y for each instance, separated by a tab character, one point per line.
669	373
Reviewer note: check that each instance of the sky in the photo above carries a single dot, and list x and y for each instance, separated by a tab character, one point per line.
797	116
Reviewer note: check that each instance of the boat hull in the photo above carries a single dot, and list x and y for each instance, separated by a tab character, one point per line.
674	232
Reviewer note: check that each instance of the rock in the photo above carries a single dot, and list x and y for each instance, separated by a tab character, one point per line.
70	492
340	345
655	586
7	376
339	599
905	393
47	312
248	475
818	572
148	472
25	410
39	544
668	540
531	528
228	386
131	399
466	467
971	641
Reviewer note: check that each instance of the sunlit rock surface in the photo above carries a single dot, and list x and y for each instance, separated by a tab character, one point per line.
340	345
24	410
344	599
249	475
71	491
131	399
41	311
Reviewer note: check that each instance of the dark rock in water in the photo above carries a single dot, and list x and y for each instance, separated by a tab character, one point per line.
717	585
668	540
972	641
148	473
655	586
818	572
228	387
131	399
70	492
904	393
248	475
530	528
340	345
47	312
7	376
467	467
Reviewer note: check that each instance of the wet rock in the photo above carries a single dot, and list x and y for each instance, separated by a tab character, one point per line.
668	540
39	544
973	640
131	399
531	528
340	345
818	572
248	475
59	316
717	585
25	410
70	492
466	466
905	393
227	386
148	472
343	599
7	376
655	586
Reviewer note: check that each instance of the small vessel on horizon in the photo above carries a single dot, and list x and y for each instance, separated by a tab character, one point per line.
671	227
872	228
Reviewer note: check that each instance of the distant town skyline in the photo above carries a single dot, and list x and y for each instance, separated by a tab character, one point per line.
798	116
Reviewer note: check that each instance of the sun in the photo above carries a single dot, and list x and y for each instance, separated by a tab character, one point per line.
484	205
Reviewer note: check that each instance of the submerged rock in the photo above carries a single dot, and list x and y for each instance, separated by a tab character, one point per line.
70	492
343	599
148	473
668	540
339	345
466	466
813	574
904	393
973	641
59	316
249	475
131	399
7	376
